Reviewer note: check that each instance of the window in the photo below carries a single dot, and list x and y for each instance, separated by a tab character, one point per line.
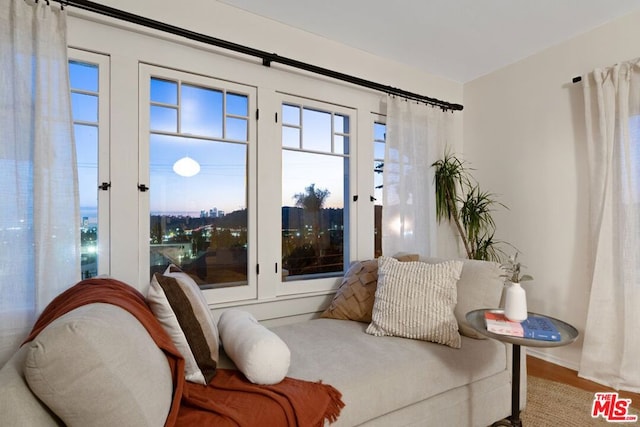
315	190
379	138
200	142
89	100
200	179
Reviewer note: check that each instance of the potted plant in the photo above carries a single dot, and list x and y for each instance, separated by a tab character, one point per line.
513	268
460	200
515	304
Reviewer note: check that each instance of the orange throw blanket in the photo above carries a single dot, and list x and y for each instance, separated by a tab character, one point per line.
229	400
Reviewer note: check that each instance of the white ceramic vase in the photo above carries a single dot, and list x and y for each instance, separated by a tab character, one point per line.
515	304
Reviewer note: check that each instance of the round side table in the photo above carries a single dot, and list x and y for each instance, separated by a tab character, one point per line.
568	334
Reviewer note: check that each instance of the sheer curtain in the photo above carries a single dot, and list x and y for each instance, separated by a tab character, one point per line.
39	219
611	350
416	136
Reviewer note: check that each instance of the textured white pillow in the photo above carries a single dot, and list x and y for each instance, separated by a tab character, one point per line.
98	366
416	300
256	351
480	286
178	304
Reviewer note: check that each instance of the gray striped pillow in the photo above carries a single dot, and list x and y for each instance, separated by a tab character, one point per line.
178	303
416	300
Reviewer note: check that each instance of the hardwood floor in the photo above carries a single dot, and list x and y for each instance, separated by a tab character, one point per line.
543	369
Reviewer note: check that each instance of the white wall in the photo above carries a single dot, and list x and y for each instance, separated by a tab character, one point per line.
524	133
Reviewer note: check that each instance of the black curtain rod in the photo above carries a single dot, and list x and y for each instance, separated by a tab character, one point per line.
267	58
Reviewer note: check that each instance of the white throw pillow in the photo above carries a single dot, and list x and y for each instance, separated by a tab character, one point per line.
480	286
256	351
416	300
178	304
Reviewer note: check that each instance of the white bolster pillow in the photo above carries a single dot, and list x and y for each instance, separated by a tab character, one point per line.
258	353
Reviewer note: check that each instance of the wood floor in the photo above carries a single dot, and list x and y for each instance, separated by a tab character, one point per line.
543	369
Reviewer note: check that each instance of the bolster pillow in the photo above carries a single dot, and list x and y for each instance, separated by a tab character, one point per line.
256	351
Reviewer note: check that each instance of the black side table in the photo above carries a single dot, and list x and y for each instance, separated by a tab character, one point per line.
568	334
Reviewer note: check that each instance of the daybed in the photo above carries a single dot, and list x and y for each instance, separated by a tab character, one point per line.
97	364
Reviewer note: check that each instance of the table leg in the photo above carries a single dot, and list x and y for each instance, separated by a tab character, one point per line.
514	420
515	387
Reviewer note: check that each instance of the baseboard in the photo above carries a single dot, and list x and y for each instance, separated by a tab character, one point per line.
552	359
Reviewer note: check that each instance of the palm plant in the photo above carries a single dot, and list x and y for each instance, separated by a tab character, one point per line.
449	176
312	201
459	200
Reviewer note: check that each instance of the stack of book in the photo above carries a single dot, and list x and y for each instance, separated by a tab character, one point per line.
534	327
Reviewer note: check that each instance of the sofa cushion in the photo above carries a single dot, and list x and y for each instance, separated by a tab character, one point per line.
416	300
18	405
379	375
178	303
98	366
480	286
354	298
406	256
256	351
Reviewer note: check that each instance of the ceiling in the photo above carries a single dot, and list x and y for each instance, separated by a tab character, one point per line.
456	39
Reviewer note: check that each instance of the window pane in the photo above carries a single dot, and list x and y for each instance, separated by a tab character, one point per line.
237	105
378	150
313	217
378	167
87	161
199	222
237	129
83	76
379	132
341	144
164	91
201	111
316	130
199	199
85	107
164	119
290	137
340	124
290	115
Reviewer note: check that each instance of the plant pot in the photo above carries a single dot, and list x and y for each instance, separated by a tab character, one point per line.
515	304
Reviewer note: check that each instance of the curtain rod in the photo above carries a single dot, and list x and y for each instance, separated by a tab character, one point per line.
267	58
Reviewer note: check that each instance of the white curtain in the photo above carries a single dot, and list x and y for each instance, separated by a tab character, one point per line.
416	136
611	350
39	218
